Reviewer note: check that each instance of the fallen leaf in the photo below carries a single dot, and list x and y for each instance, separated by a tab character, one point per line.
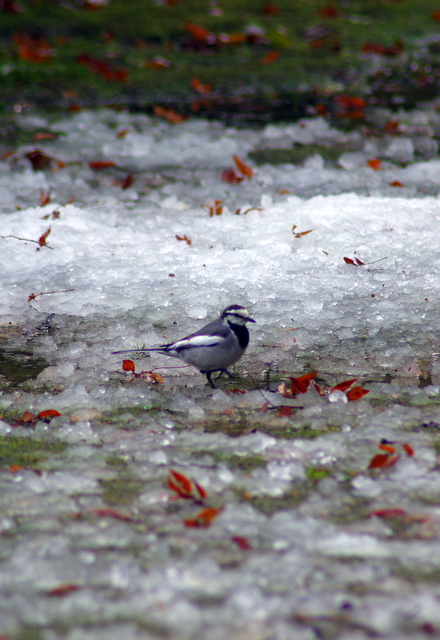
356	393
343	386
63	590
242	167
44	198
184	239
185	487
42	239
285	411
98	165
28	417
299	385
270	58
396	183
111	513
386	513
408	449
169	114
128	365
158	63
198	32
349	261
383	460
200	87
203	519
48	414
374	164
127	182
241	542
38	159
231	176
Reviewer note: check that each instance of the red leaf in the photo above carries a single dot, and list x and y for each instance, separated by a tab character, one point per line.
38	159
203	519
435	15
285	411
63	590
158	63
97	165
270	58
128	181
242	167
13	468
343	386
396	183
329	11
408	449
197	31
359	262
241	543
387	513
386	446
383	460
229	175
348	260
184	487
374	164
48	414
356	393
43	237
128	365
299	385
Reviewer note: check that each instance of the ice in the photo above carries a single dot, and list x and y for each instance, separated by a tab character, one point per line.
302	526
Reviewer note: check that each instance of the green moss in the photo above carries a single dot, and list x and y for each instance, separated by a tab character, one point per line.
121	490
27	453
234	461
317	473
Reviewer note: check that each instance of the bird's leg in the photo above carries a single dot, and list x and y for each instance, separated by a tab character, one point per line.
228	373
208	377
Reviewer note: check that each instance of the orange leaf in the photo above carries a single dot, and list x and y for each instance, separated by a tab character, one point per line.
158	63
13	468
387	446
356	393
63	589
199	86
44	198
343	386
203	519
374	164
383	460
128	365
242	167
197	31
28	417
169	114
122	133
43	237
396	183
184	239
270	58
48	414
97	165
299	385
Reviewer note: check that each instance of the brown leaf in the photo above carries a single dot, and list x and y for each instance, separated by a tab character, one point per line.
270	58
63	590
242	167
184	239
169	114
231	176
38	159
97	165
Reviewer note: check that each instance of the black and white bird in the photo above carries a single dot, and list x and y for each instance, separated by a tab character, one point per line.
214	347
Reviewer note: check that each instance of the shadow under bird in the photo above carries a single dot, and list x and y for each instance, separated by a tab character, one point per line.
214	347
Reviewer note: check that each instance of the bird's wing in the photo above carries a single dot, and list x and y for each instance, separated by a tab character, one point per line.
196	341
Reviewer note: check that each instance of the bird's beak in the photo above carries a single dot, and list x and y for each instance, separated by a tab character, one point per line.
250	320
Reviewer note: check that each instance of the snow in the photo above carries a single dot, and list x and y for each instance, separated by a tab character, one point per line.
116	276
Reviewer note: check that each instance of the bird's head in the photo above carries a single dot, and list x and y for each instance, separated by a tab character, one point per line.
236	314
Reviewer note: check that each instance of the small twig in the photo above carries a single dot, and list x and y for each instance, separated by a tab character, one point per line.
28	240
33	296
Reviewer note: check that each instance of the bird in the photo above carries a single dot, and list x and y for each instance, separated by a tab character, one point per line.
214	347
